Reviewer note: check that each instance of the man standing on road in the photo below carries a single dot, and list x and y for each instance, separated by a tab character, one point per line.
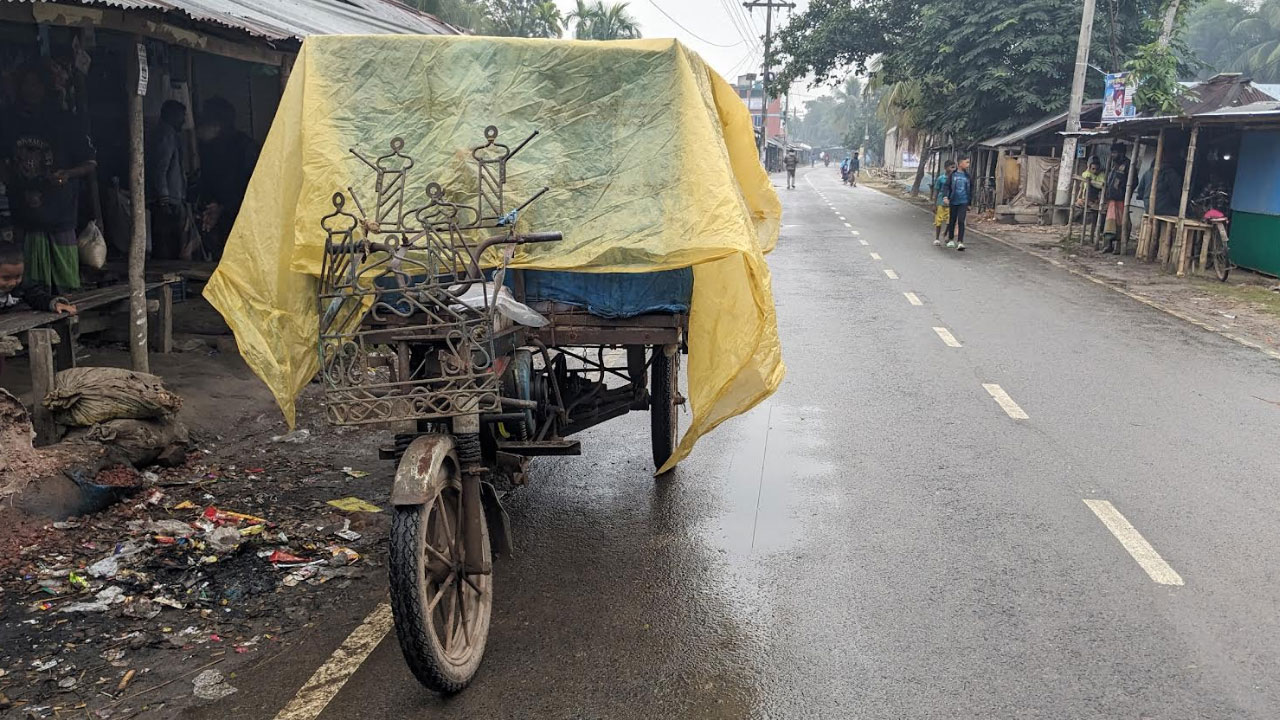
854	166
941	211
789	163
1113	195
958	192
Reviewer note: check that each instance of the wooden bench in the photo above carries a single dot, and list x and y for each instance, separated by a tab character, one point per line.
1159	236
50	337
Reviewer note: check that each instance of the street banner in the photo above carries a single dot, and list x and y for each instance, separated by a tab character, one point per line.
1117	99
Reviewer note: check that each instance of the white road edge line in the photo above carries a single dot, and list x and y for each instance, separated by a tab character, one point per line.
1002	398
1132	540
891	274
315	695
947	338
875	256
911	298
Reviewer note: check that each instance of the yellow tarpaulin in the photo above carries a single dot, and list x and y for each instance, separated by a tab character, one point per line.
649	155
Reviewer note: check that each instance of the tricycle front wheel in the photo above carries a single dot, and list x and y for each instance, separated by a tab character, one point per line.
441	610
663	404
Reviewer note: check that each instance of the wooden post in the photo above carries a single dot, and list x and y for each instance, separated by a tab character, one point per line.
162	332
1099	221
1071	214
1123	237
1180	236
40	343
1153	229
138	195
999	177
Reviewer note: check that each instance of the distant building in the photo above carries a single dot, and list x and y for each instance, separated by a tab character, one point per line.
752	93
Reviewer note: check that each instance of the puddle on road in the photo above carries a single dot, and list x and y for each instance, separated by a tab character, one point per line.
778	445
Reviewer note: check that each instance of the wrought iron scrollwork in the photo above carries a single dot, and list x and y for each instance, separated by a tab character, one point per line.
407	319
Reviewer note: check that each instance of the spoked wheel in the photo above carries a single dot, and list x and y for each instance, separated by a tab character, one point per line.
441	611
663	407
1221	255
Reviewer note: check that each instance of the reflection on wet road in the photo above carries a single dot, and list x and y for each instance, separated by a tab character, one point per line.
886	536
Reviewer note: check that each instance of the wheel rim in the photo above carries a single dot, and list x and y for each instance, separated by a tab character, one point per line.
457	603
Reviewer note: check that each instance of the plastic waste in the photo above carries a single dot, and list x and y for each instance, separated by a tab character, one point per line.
354	504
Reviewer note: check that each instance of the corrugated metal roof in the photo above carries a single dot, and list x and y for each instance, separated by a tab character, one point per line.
1264	109
291	19
1038	126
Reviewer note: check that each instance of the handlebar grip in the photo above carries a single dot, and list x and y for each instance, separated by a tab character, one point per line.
540	237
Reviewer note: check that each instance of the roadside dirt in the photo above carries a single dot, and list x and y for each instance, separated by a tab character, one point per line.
115	615
1245	309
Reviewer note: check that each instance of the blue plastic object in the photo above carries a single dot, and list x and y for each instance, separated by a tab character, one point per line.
612	295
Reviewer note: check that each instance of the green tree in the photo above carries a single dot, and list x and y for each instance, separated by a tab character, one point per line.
974	69
598	21
1259	35
1210	36
511	18
523	18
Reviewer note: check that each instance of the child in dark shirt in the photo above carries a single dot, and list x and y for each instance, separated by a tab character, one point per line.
14	291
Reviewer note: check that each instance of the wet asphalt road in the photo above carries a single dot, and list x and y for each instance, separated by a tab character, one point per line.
881	539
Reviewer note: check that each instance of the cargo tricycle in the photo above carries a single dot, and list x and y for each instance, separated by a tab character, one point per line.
423	325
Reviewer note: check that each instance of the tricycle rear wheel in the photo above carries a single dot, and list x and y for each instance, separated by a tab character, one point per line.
441	611
663	406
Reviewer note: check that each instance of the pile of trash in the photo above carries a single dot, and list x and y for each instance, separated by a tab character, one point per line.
114	421
171	569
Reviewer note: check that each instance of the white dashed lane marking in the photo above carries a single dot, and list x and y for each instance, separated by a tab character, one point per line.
1132	540
875	256
911	298
1006	403
891	274
947	338
863	242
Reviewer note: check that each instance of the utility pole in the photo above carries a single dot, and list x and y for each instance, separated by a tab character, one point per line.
768	6
1062	197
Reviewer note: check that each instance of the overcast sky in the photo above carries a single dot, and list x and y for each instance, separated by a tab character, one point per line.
723	32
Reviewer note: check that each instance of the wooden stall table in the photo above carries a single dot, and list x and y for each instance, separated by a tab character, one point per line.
49	336
1172	252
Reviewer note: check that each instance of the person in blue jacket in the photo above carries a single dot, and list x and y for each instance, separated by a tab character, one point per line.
957	195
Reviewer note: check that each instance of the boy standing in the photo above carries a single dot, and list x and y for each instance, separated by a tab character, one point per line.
941	211
958	195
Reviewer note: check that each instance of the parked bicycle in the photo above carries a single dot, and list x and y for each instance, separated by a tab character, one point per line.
1213	207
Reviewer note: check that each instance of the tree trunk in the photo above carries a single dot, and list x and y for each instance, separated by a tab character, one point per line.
920	167
1170	15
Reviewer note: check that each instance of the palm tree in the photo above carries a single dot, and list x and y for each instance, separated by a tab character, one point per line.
547	18
597	21
1260	36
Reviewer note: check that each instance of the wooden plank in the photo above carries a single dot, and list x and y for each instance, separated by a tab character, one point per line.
138	22
1185	254
1154	232
40	344
162	330
65	356
1123	238
138	243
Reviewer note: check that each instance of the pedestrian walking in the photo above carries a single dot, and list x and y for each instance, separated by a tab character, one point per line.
789	163
844	169
942	210
854	167
958	194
